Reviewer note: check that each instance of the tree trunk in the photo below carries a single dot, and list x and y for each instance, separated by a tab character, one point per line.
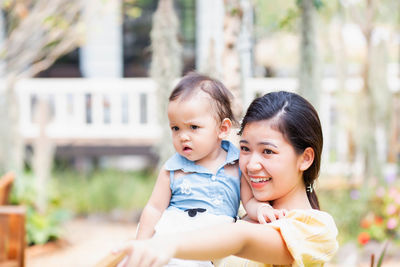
394	133
308	82
232	76
11	150
43	154
209	67
367	109
166	66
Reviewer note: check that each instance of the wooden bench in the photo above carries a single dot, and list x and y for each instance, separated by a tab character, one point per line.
12	227
6	182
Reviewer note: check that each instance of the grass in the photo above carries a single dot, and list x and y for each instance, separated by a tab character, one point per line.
102	191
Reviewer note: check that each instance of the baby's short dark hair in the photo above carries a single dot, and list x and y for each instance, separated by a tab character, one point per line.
193	82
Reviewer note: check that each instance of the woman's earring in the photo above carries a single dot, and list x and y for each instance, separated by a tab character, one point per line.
309	188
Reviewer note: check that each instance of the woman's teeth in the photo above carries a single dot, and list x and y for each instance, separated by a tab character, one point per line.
259	180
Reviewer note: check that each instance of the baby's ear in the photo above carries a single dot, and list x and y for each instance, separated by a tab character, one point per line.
307	158
224	128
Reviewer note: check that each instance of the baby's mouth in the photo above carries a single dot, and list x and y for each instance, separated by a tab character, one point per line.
186	148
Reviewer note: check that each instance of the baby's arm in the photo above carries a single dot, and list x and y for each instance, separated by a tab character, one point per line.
256	210
158	202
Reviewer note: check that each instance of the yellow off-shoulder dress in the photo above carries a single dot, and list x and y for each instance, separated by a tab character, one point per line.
310	236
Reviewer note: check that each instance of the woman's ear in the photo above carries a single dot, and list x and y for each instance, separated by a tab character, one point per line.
307	158
224	128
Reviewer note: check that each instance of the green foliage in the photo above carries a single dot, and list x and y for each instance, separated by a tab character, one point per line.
40	227
55	22
103	190
288	21
366	213
272	16
380	260
133	12
133	8
317	3
73	193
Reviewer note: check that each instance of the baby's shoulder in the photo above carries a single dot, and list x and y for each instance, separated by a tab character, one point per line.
232	168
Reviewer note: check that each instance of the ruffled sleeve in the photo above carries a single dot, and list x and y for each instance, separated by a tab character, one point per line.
310	236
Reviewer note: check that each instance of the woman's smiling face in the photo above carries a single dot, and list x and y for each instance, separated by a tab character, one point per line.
269	162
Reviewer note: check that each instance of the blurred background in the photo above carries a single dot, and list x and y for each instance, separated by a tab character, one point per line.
84	88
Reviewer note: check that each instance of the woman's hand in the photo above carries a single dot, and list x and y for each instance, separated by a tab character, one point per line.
155	252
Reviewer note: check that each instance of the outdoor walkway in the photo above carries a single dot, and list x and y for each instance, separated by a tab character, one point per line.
87	241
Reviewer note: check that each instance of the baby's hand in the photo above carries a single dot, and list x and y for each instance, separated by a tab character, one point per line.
266	213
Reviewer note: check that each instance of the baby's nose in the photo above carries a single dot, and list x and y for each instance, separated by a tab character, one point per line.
184	136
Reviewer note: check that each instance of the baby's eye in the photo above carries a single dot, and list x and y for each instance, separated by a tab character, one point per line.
244	148
267	151
174	128
194	127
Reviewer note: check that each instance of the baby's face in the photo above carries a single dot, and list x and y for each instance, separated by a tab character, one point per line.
194	127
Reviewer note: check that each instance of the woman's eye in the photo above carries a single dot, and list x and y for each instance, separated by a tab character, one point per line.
244	148
194	127
268	151
174	128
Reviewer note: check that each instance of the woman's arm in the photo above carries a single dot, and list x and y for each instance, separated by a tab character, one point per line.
256	242
248	240
158	202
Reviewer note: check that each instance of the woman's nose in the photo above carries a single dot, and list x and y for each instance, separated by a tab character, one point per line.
254	163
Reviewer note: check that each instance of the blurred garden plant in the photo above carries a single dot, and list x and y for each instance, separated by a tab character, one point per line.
41	227
71	194
347	206
382	220
102	191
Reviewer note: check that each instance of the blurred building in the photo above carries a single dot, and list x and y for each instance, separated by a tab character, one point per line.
103	101
117	44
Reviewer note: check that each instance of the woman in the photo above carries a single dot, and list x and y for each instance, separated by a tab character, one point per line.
280	153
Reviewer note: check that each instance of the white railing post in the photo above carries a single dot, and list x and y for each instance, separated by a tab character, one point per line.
115	109
60	108
97	108
134	105
78	108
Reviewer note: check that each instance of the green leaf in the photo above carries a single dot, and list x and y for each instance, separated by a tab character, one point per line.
318	4
289	19
385	246
134	12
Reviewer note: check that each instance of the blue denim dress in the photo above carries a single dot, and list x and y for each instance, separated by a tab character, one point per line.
217	193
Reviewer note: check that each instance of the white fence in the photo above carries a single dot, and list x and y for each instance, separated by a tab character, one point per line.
86	110
124	111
